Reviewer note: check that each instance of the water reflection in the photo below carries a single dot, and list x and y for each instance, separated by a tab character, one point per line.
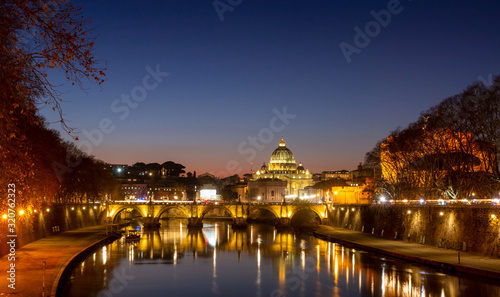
259	261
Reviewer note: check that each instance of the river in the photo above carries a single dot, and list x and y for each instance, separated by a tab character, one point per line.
257	261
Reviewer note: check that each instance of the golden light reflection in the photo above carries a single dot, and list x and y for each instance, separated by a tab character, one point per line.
318	259
336	265
258	265
104	255
288	252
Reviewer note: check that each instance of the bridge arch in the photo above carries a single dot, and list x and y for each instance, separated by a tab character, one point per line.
212	207
262	207
113	213
296	211
167	208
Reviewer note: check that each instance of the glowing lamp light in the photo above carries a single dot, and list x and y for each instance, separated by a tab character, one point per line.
493	216
421	200
258	198
441	213
21	212
72	208
352	209
48	209
409	211
382	198
84	208
35	210
95	207
4	216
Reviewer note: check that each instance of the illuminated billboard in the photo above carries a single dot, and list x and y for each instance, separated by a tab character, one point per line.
210	194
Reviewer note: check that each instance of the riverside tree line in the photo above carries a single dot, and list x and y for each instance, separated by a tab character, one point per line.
450	152
37	37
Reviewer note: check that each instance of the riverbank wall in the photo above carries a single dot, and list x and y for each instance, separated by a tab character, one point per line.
471	228
51	220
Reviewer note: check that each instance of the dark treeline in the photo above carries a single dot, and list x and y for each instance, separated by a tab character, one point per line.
38	166
450	152
168	168
37	37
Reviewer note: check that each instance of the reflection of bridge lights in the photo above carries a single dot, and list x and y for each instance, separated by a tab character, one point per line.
104	255
211	236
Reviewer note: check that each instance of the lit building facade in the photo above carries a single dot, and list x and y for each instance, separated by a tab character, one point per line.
282	166
168	193
135	191
344	174
267	190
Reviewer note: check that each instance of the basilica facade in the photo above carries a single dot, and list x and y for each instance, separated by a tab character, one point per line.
282	166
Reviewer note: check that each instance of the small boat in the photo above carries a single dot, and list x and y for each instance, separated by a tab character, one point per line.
132	236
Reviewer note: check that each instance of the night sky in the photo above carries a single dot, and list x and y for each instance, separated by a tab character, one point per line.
226	76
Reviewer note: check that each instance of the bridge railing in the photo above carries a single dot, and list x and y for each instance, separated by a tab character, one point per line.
462	202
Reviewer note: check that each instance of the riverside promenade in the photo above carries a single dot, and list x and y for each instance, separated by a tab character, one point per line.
57	251
437	257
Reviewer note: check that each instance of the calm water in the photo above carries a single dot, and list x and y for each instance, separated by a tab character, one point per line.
259	261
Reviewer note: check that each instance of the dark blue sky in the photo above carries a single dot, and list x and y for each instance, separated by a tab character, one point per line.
226	77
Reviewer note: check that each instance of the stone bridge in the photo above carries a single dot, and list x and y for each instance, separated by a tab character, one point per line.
239	212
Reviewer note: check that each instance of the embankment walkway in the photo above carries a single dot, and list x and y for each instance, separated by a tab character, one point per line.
56	250
437	257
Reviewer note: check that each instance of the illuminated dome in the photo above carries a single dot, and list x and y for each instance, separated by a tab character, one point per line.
264	167
282	159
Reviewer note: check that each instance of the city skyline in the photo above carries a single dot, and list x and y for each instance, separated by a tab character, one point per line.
349	72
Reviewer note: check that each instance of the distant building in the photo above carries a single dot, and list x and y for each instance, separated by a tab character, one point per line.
267	190
308	193
282	166
354	194
168	192
344	174
135	191
241	189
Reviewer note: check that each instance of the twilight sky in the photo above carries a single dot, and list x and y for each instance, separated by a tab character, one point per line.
232	73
